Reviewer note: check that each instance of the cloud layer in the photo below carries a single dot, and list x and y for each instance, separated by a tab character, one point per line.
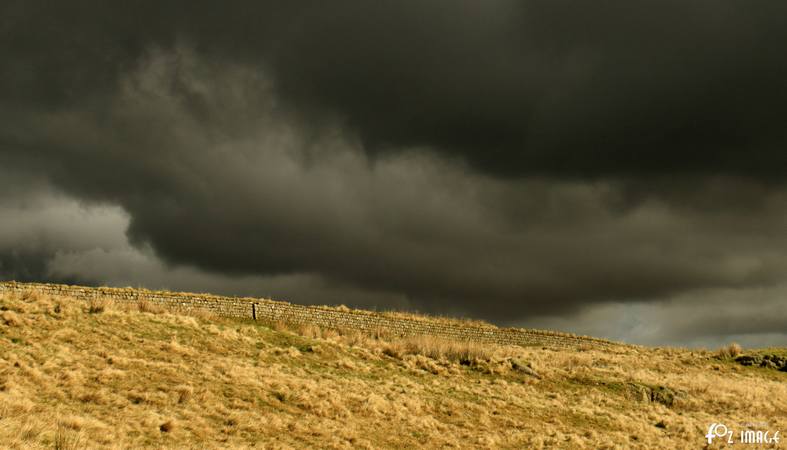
526	162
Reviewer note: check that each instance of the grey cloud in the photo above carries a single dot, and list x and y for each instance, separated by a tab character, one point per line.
48	237
751	316
38	223
268	196
128	266
509	160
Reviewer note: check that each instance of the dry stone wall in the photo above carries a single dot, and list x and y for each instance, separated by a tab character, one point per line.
322	316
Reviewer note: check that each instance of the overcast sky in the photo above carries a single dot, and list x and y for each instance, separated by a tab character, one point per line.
613	168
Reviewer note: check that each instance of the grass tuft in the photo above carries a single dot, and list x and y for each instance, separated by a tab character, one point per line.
66	440
98	305
729	351
146	306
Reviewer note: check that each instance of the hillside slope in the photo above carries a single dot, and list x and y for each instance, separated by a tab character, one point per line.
329	317
77	374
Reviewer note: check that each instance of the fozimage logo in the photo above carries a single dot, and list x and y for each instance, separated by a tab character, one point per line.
718	430
729	436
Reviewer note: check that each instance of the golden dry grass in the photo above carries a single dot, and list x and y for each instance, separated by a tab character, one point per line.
464	321
97	375
730	351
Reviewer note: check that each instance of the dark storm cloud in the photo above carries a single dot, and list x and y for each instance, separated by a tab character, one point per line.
568	88
493	158
516	88
26	265
248	193
23	266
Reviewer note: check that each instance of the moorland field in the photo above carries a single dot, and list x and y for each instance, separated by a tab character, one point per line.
99	374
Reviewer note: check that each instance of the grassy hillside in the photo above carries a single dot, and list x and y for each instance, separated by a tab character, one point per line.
79	375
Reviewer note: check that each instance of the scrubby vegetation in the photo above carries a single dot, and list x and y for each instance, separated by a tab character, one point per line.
95	375
730	351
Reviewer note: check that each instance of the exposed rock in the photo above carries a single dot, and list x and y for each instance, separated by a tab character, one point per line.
776	360
768	364
638	391
524	367
663	395
768	361
749	360
659	394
